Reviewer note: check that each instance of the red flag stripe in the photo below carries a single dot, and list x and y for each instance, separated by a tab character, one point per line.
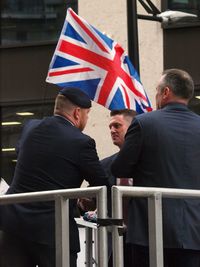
127	97
63	72
112	67
92	36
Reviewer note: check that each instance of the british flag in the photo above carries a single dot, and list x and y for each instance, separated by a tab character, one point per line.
90	60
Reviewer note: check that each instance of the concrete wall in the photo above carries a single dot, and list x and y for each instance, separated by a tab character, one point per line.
110	17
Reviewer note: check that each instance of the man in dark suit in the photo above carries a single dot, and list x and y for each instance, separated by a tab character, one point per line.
53	154
120	120
162	149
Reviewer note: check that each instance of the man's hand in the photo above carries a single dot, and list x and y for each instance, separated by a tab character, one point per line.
90	216
86	204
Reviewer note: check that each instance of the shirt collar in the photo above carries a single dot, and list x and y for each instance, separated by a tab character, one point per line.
57	115
176	105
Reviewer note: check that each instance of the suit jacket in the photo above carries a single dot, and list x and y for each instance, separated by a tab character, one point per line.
106	164
162	149
53	154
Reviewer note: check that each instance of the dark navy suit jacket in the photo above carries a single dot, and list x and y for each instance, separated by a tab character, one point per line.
106	164
53	154
162	149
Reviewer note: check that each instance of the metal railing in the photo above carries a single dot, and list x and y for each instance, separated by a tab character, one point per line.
154	196
61	198
91	248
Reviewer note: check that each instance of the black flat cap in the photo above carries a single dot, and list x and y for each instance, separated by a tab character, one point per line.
76	96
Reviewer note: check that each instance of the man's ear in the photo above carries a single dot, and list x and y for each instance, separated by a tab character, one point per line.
76	113
166	92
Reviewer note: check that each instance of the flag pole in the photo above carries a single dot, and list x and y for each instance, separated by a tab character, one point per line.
132	27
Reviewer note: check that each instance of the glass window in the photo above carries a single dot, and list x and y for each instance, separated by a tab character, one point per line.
190	6
194	104
28	21
13	119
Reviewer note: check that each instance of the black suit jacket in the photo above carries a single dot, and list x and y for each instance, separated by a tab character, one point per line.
53	154
162	149
106	164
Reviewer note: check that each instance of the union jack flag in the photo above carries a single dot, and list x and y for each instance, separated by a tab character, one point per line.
90	60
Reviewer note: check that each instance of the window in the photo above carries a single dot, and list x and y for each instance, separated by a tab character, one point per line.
190	6
13	119
194	104
28	21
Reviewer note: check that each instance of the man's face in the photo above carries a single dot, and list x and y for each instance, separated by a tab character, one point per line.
159	95
83	118
158	98
118	127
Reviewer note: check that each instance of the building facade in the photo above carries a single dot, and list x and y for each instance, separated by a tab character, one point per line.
29	31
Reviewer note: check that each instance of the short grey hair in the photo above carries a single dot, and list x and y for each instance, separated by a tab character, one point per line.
179	81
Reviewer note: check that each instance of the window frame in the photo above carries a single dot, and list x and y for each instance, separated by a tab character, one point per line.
37	42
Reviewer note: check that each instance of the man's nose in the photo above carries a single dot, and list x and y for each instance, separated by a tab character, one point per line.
112	129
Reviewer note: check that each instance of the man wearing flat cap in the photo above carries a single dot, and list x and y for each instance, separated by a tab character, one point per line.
53	154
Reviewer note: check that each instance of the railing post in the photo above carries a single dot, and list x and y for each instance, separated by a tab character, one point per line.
117	240
62	232
155	230
88	247
102	239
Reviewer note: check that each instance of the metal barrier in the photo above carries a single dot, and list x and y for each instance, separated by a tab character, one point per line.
61	198
91	249
154	196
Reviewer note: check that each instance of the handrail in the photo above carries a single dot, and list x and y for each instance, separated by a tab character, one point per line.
154	196
61	198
